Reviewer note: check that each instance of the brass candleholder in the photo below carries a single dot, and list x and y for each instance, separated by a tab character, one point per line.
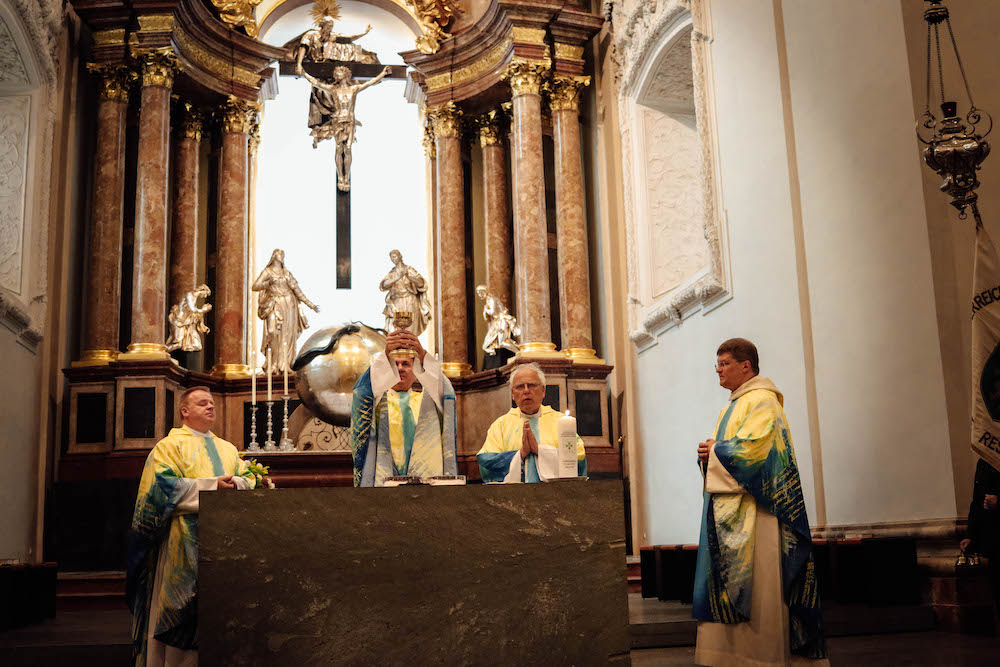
402	320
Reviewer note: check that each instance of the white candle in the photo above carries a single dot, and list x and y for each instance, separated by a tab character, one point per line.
253	363
269	373
284	355
567	445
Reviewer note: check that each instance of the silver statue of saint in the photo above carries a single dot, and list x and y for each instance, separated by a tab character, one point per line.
187	321
406	292
278	307
501	327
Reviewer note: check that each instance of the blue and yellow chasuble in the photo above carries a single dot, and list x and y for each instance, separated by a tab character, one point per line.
170	471
754	445
405	433
503	442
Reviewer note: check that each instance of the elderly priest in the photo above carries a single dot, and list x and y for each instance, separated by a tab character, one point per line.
162	581
755	584
394	430
514	453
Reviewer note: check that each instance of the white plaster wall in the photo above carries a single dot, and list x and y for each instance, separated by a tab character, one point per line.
18	441
879	382
878	379
678	397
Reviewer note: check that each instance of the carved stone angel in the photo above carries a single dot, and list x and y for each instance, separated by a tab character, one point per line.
501	327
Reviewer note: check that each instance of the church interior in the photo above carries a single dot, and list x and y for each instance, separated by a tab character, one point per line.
229	194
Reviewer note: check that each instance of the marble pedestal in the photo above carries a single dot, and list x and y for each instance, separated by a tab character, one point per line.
500	575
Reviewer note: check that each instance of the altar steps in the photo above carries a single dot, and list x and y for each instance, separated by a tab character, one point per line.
90	591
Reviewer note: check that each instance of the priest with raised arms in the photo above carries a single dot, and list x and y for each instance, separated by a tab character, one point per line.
395	430
523	445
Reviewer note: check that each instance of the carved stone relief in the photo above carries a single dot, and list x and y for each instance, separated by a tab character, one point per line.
13	167
12	68
675	260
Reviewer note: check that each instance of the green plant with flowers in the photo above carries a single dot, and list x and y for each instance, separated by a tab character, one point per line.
260	473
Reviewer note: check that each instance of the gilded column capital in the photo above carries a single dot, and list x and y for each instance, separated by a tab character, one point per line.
447	120
526	76
430	150
490	126
158	67
115	80
191	122
564	91
237	115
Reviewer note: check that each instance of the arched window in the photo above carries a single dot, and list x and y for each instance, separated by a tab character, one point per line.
675	239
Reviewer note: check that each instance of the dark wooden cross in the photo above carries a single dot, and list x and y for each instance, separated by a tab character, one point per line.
359	72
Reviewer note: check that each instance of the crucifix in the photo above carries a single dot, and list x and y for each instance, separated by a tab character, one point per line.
338	69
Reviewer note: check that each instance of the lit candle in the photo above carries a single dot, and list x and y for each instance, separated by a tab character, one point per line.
269	373
566	427
284	355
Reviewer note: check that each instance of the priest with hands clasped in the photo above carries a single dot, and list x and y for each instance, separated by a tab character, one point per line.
394	430
522	445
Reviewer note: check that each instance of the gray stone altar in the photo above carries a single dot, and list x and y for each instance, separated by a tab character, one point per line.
486	574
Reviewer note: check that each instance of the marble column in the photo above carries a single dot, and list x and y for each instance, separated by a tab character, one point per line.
530	234
231	241
430	169
103	279
451	296
571	220
149	269
499	260
184	236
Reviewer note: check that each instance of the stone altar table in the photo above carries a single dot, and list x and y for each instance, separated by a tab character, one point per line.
494	574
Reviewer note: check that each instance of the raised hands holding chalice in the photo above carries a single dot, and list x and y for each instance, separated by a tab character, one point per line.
401	344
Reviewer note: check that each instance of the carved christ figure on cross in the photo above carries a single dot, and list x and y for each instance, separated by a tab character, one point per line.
331	114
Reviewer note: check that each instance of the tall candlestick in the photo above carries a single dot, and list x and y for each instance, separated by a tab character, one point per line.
269	374
284	355
253	376
567	445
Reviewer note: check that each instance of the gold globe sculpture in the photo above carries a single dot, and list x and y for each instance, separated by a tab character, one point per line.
331	361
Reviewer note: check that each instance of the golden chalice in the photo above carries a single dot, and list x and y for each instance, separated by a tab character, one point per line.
402	320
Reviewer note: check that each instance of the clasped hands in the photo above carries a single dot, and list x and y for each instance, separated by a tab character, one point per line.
704	448
528	443
226	482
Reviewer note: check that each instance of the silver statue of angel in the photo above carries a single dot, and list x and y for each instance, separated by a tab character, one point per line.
501	327
187	321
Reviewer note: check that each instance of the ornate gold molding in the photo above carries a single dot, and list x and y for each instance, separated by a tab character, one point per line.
564	91
156	23
191	122
222	69
237	115
158	66
490	128
526	76
447	120
430	149
115	80
529	35
253	140
568	52
433	15
457	77
115	37
239	13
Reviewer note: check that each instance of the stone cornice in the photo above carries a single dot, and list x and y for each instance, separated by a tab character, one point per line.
15	317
